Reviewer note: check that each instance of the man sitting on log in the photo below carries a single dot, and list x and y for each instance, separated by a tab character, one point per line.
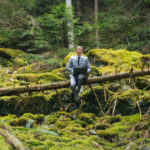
79	67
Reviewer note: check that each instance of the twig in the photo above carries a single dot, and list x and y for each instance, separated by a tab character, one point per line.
97	145
61	106
104	93
115	103
129	146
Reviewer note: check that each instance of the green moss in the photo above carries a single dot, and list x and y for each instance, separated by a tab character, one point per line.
61	72
111	57
126	101
22	121
143	83
48	77
113	132
101	126
10	53
38	117
75	128
90	104
30	77
132	94
50	119
7	118
87	117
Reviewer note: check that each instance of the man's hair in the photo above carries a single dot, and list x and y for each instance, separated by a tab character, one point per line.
79	47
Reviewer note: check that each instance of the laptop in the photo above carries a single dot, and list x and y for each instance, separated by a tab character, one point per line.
79	70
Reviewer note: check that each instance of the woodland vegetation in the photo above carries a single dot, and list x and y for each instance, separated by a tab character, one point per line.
37	38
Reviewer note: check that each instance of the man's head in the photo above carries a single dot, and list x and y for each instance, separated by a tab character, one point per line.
79	50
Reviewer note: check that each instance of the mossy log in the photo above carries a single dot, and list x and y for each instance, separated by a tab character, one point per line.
65	84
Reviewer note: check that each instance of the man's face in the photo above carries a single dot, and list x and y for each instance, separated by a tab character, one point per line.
79	52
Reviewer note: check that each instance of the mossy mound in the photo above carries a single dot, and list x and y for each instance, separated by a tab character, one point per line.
11	57
40	103
34	68
61	130
113	57
90	103
109	61
127	101
37	78
143	83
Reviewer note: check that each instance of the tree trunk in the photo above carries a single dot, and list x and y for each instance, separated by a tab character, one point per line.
96	22
78	8
70	24
66	84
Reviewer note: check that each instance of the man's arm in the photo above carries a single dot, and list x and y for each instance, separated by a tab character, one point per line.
88	66
69	65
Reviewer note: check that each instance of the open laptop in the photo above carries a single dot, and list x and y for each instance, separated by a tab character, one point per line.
79	70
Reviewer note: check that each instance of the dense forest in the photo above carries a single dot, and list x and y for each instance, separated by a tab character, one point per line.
37	111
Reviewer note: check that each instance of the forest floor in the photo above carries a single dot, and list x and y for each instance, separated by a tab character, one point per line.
35	119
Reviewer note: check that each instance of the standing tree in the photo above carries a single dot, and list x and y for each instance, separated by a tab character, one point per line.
70	24
96	23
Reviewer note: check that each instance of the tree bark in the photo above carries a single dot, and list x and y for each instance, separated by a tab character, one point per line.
66	84
96	22
78	8
70	24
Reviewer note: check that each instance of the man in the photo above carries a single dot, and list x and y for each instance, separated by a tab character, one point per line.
77	61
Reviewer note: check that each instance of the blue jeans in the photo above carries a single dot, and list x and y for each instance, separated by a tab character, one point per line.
76	81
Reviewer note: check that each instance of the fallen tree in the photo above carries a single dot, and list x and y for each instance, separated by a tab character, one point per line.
65	84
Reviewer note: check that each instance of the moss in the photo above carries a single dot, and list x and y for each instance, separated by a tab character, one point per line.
7	118
64	114
132	94
126	101
7	104
142	83
113	132
75	128
31	104
50	119
48	77
61	72
30	77
9	56
101	126
22	121
114	87
89	102
10	53
34	68
38	117
85	118
111	57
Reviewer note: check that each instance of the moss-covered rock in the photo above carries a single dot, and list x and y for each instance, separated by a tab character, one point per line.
143	83
127	101
111	57
11	57
89	102
48	77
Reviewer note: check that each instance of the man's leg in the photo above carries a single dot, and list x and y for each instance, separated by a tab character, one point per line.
73	87
80	78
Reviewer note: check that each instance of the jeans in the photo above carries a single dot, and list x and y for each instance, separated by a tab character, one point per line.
76	80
